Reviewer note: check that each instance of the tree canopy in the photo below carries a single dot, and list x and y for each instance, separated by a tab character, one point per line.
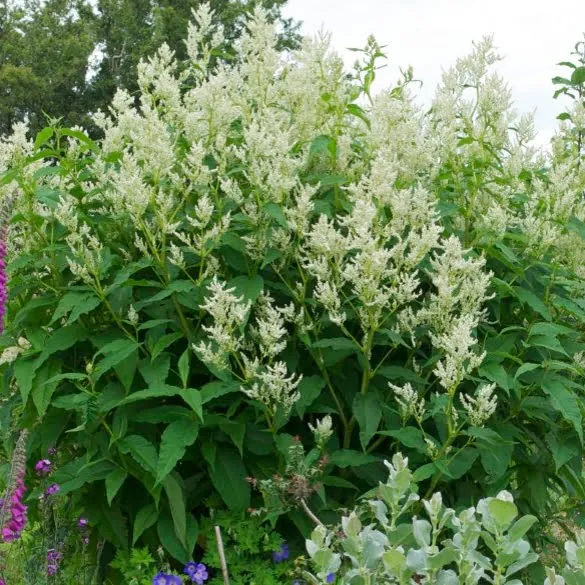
65	58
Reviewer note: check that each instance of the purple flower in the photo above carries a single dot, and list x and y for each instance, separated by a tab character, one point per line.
43	467
53	559
197	572
82	522
53	489
164	579
282	554
330	578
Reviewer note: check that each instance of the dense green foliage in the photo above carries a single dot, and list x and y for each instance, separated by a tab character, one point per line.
48	59
264	251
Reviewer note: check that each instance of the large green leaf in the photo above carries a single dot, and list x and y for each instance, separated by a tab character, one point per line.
309	390
410	437
565	401
145	518
229	478
141	450
114	482
44	387
177	437
75	303
368	413
193	398
348	458
151	393
24	372
176	500
114	353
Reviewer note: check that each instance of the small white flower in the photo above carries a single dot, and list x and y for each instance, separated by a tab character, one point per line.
480	408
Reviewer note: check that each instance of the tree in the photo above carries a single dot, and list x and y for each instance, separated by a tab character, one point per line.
46	49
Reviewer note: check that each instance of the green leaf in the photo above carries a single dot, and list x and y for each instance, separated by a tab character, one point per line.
424	472
460	464
145	518
193	398
229	478
114	352
564	400
368	413
155	373
141	450
309	389
42	137
177	506
76	303
176	438
62	339
216	389
552	329
151	393
164	342
43	388
336	343
495	452
163	414
177	286
533	301
24	372
348	458
495	372
502	511
546	341
521	527
410	437
520	564
358	112
166	533
184	367
578	76
89	473
524	368
562	450
114	482
236	431
249	288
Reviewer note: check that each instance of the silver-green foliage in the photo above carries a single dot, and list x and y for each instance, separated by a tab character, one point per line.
485	543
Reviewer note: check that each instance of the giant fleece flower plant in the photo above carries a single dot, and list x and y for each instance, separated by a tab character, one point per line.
261	241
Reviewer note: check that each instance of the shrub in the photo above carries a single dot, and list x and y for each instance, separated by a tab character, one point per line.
257	246
487	542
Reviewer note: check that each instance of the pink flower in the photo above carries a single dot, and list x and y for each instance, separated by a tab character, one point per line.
13	502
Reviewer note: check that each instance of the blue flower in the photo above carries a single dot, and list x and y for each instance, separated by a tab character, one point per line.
282	554
330	578
190	567
197	572
164	579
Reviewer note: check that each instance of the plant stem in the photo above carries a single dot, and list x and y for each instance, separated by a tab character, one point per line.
310	514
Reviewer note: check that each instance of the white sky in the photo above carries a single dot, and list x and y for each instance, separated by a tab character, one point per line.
532	35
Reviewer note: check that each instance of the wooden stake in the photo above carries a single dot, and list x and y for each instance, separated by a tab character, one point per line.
224	570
